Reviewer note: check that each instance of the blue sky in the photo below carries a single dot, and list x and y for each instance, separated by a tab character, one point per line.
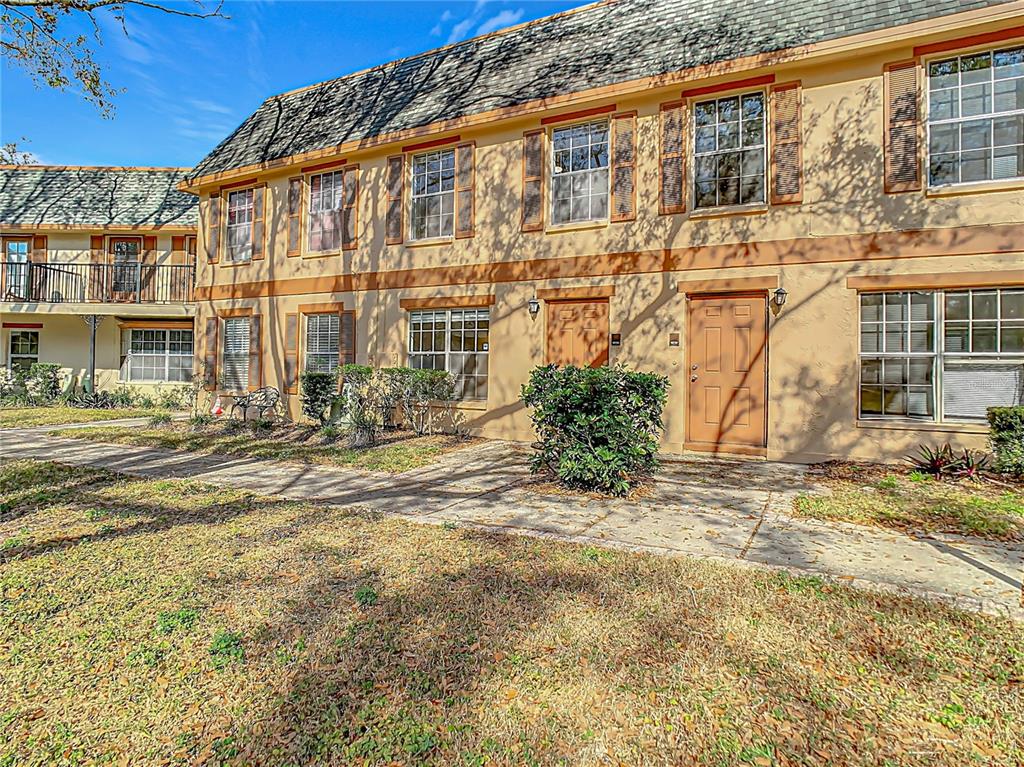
188	83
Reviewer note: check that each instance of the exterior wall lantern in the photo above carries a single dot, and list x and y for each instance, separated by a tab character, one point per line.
779	296
533	306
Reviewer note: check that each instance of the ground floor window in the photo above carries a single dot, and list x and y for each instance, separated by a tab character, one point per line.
153	355
455	340
23	349
941	355
322	342
235	353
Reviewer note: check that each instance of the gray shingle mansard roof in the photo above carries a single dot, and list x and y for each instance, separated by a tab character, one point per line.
40	195
600	45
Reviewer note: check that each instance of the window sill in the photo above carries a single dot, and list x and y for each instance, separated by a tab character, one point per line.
321	253
576	226
976	187
225	262
471	404
964	427
729	210
430	242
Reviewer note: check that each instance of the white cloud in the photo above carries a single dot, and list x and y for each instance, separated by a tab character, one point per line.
459	30
500	21
210	106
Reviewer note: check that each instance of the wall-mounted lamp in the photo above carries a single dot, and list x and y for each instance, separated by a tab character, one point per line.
533	305
779	296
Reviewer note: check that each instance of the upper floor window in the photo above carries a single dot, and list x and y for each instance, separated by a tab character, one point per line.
579	173
976	117
729	151
433	194
240	220
325	197
941	356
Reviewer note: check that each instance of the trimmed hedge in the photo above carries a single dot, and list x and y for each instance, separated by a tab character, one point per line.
1006	436
597	428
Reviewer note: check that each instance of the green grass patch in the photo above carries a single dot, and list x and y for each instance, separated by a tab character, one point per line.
399	453
22	417
196	624
912	502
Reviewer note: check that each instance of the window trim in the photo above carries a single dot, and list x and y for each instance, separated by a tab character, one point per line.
166	330
409	161
939	355
227	193
447	311
10	346
690	151
549	174
991	184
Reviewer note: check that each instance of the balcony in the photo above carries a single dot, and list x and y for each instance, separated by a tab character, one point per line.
88	283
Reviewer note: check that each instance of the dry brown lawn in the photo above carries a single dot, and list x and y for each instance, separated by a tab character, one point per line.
169	622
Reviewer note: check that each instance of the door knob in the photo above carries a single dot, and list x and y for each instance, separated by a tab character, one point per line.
693	379
693	366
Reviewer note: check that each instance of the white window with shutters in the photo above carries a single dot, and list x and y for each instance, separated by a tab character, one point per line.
941	356
235	354
433	195
729	151
579	173
239	225
325	198
322	342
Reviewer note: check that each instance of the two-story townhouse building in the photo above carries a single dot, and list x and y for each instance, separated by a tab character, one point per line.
110	248
808	215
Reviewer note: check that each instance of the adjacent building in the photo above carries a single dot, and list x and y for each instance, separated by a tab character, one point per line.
113	247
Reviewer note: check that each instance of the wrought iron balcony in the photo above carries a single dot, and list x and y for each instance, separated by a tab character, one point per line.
85	282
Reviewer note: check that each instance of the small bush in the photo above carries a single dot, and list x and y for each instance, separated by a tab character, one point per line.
43	382
160	419
8	383
597	428
330	433
360	403
200	421
935	461
318	392
424	390
1006	436
393	383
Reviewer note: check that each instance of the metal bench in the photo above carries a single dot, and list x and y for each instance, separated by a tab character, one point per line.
264	400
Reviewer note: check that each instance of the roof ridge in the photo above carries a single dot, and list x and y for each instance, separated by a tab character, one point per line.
94	167
395	62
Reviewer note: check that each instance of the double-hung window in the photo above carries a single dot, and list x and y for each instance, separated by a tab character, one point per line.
325	195
150	355
976	117
239	226
941	356
433	194
322	341
23	349
579	173
455	340
235	353
729	151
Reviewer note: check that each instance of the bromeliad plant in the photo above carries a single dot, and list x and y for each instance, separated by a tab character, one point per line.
597	428
942	461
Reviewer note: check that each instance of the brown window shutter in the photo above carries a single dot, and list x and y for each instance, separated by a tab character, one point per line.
259	203
787	174
465	190
902	141
533	181
623	189
394	225
672	163
350	207
295	216
210	353
40	245
97	268
291	353
255	356
347	338
213	228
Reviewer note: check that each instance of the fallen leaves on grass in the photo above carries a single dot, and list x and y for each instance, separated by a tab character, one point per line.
192	624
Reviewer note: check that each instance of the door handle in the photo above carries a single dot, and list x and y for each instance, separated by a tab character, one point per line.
693	379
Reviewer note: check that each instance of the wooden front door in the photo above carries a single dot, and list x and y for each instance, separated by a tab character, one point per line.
578	333
727	347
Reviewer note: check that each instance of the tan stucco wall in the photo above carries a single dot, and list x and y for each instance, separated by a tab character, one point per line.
73	246
812	366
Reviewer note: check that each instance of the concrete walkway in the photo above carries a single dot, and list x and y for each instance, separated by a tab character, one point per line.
730	510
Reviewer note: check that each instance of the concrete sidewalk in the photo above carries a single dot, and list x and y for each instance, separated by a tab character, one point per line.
730	510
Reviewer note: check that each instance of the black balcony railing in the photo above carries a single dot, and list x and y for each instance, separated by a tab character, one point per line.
83	282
